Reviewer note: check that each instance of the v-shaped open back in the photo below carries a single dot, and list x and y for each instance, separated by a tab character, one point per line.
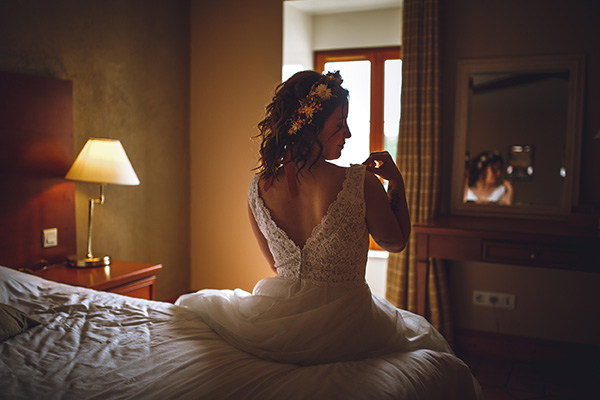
336	250
319	225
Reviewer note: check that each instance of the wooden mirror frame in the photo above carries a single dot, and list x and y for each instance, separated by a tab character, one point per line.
575	64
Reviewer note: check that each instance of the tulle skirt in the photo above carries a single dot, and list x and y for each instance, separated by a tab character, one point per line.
304	323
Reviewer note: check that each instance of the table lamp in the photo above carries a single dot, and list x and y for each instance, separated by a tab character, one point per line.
102	161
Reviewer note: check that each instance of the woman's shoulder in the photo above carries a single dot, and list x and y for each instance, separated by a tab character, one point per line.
358	168
341	170
339	174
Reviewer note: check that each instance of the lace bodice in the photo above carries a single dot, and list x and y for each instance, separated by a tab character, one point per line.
336	252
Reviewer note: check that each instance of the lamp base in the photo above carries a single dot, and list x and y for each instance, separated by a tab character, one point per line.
91	262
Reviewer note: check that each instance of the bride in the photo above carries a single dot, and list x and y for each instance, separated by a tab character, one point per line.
312	221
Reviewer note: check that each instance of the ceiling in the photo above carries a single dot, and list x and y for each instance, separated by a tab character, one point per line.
341	6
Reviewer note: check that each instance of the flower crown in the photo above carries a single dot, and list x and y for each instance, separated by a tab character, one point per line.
484	157
312	104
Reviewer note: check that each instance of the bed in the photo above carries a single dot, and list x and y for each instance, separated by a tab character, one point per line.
99	345
65	342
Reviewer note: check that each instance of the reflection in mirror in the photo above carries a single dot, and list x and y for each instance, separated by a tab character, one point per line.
522	108
516	133
485	181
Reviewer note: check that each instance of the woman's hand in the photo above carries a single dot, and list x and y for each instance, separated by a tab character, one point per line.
387	213
509	196
381	163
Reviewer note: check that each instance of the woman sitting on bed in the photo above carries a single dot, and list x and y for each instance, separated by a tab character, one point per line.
312	220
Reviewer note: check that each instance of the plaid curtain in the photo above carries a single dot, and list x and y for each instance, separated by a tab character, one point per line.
419	158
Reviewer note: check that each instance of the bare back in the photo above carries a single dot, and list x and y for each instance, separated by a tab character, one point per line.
317	190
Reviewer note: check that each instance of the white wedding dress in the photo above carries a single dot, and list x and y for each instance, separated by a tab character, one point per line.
318	309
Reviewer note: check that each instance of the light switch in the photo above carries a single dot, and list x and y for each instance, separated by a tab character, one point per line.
50	237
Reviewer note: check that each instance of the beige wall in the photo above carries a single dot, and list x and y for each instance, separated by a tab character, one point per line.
128	61
556	305
235	65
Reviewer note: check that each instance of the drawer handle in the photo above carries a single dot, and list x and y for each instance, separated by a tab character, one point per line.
533	256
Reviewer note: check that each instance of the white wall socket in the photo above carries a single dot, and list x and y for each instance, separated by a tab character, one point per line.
50	237
494	299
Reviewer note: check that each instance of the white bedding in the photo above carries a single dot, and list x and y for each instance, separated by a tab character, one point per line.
98	345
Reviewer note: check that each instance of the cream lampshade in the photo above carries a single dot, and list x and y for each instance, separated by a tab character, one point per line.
102	161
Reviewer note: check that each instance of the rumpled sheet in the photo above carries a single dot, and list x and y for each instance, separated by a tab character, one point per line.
99	345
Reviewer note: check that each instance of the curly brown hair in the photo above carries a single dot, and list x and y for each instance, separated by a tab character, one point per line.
478	165
274	135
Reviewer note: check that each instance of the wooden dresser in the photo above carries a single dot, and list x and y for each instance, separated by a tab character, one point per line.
528	243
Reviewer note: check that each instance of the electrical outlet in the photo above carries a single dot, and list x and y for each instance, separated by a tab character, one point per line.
50	237
494	299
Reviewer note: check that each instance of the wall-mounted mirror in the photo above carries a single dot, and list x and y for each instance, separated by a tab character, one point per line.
517	136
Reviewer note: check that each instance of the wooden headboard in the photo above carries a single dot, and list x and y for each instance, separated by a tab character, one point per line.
36	150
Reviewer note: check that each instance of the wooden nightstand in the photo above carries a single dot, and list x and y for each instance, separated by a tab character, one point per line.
124	277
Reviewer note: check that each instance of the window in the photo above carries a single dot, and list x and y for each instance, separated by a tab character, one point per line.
374	79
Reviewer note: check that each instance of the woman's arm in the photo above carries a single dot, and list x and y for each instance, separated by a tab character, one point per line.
262	242
509	194
387	213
